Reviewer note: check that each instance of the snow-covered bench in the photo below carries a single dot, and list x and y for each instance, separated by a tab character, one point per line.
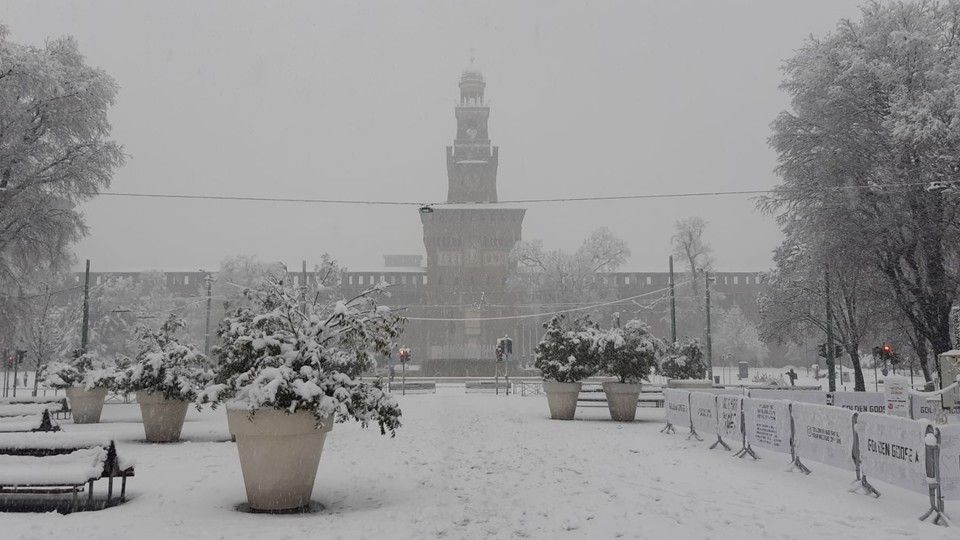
25	423
59	462
411	386
485	386
32	399
24	409
58	405
592	395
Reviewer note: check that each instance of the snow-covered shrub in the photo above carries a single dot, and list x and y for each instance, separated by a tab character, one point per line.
684	360
164	365
630	353
280	352
80	370
563	354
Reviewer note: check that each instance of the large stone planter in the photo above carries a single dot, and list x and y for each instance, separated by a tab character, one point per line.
622	400
162	417
86	405
279	455
562	399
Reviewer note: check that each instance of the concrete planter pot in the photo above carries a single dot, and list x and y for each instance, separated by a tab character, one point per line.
622	400
279	455
162	417
86	405
562	399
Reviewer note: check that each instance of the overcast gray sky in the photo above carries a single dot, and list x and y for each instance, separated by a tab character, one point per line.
354	100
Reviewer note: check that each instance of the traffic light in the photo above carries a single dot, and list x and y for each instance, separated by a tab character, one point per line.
404	355
822	350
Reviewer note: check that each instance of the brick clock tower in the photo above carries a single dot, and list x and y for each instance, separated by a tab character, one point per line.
468	243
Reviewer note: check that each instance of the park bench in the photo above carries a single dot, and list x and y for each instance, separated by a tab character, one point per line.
592	395
58	405
413	386
27	423
59	462
486	386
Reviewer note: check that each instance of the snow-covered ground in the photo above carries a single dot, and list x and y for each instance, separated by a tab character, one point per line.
479	465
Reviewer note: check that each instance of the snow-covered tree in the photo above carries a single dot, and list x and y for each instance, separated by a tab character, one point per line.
555	276
49	324
563	353
118	305
55	151
868	153
792	301
277	353
694	256
684	360
81	369
630	353
164	364
736	335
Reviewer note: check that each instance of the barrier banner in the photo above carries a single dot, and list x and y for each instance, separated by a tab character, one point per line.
803	396
703	412
896	390
825	434
874	402
767	423
729	408
677	403
892	449
950	461
921	407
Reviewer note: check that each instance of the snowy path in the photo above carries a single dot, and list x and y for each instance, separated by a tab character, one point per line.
473	466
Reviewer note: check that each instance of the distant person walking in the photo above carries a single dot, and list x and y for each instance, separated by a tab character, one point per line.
792	375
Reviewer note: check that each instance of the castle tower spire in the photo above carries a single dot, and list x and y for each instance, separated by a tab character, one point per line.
472	161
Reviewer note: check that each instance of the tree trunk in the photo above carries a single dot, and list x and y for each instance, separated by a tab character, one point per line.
858	384
36	379
920	346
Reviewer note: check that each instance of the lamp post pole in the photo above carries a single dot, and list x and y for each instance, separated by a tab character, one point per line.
673	306
208	281
86	308
706	276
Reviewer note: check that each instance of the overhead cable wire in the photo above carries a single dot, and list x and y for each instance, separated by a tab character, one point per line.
435	204
538	315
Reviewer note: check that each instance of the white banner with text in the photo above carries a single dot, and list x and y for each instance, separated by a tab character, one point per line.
767	423
950	461
824	434
874	402
729	409
677	404
703	412
892	449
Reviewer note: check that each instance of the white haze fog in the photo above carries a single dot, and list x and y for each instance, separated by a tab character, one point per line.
346	100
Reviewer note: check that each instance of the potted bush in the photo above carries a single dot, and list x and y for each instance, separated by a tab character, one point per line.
287	370
85	379
167	376
631	354
683	365
562	356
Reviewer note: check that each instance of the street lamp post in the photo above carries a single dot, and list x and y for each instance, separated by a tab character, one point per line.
208	281
707	280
